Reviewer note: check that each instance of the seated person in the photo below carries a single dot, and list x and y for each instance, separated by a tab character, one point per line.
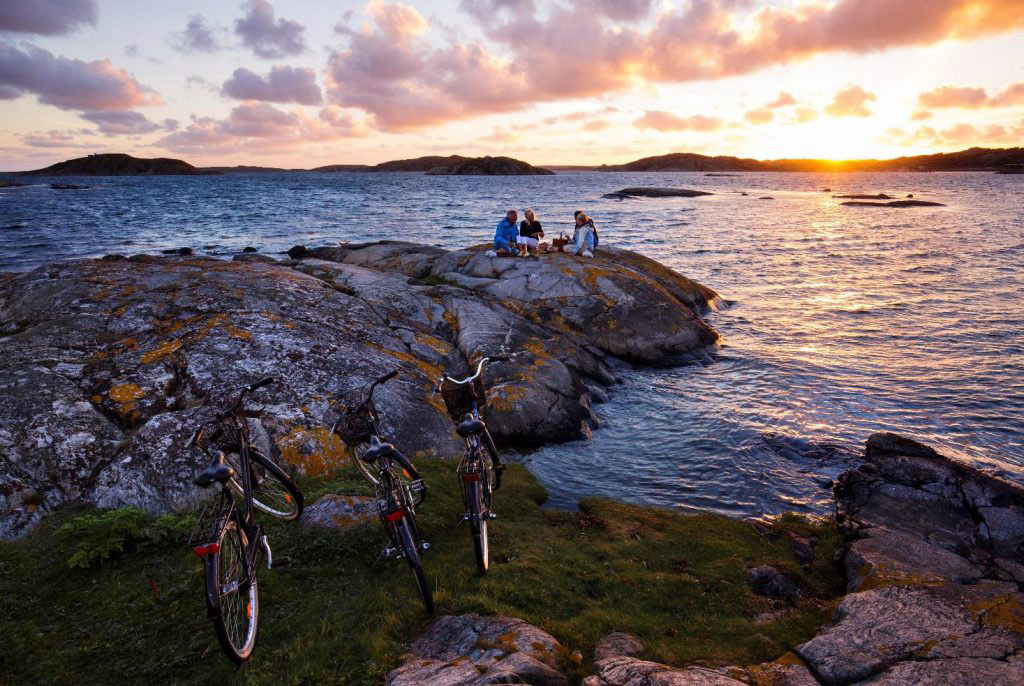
505	236
530	232
584	240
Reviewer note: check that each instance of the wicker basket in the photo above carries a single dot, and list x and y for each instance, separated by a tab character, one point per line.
459	398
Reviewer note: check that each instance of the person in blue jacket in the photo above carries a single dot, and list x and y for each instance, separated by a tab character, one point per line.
505	235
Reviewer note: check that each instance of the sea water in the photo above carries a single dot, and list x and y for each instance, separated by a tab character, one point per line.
844	320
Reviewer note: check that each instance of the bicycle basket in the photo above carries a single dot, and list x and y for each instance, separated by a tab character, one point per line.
355	428
459	398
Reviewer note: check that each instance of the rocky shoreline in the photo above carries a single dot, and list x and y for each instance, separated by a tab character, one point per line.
935	581
110	363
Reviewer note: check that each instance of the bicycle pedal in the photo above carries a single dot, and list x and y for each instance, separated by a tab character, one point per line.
389	552
266	548
492	515
424	546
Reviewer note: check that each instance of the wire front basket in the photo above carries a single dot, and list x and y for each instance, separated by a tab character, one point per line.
355	427
459	398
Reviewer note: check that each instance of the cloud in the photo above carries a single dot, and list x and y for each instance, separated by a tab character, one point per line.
596	125
920	115
666	121
784	100
126	123
850	102
542	52
804	115
266	37
761	115
196	38
499	135
972	98
952	96
960	135
70	84
282	84
46	17
59	138
1011	95
262	126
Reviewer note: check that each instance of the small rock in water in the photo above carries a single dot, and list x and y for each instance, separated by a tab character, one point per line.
826	190
297	251
766	197
910	195
67	187
177	251
248	248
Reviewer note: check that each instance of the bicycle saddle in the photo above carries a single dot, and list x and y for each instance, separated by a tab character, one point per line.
217	471
470	426
378	450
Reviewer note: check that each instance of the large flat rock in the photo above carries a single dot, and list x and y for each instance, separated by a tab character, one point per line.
107	363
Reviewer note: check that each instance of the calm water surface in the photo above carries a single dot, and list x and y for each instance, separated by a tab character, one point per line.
845	320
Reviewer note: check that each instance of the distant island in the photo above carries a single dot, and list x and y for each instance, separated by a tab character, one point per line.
1005	160
999	160
453	165
118	164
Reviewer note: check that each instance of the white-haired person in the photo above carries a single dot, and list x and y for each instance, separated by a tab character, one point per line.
531	233
584	240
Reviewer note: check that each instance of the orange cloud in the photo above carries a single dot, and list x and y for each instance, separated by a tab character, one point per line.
666	121
972	98
762	115
407	80
850	102
920	115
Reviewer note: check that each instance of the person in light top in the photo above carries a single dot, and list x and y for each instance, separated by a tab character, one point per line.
584	240
531	233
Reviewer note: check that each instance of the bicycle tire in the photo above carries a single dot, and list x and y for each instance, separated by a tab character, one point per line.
410	547
238	608
478	527
273	492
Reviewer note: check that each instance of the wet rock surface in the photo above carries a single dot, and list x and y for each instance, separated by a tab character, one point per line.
109	363
894	203
935	573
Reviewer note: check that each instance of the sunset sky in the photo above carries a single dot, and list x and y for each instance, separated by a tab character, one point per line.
301	84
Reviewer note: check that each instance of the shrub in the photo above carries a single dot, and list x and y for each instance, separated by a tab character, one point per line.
102	535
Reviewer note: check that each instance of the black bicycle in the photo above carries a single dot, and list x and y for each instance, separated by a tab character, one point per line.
227	537
397	484
480	469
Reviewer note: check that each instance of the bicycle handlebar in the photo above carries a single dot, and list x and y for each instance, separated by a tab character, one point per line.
372	386
479	370
241	396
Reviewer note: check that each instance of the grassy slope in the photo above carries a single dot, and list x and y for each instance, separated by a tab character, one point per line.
329	615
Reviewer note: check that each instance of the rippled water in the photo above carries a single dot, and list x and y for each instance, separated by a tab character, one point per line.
847	320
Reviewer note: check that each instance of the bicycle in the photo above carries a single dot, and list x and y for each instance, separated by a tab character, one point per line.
397	485
480	469
227	537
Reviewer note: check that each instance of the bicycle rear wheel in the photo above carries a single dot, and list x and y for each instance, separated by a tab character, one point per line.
273	491
232	601
478	517
410	547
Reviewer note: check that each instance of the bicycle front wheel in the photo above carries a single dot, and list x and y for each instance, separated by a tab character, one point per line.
410	547
478	516
232	599
273	491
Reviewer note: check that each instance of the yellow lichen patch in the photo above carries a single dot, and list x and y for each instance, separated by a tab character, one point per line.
96	399
503	398
357	517
881	575
1004	611
432	371
790	658
129	343
316	452
235	332
161	351
432	342
125	395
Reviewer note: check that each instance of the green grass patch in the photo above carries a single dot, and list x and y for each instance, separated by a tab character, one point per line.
330	614
434	280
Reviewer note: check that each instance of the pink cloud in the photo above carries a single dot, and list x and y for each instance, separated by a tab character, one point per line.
70	84
266	36
920	115
850	102
596	125
784	100
255	125
282	84
126	122
972	98
804	115
46	17
666	121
